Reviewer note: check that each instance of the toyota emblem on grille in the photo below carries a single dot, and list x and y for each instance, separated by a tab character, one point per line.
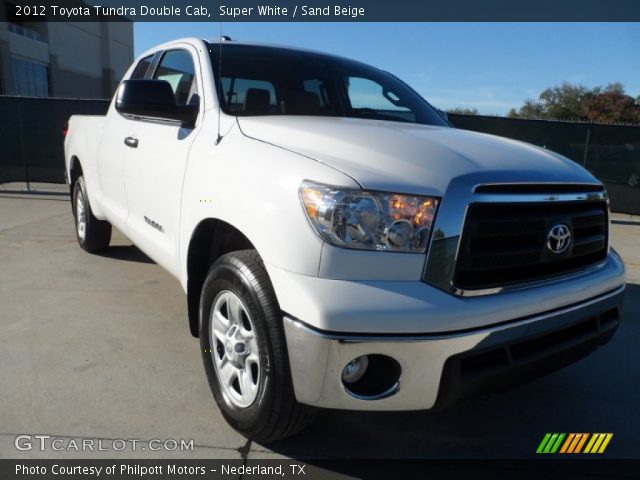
559	238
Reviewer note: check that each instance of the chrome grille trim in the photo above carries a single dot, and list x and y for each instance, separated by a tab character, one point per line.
442	256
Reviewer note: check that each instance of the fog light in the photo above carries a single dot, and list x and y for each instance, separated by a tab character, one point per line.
355	369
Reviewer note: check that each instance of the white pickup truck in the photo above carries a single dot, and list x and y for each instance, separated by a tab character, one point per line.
340	244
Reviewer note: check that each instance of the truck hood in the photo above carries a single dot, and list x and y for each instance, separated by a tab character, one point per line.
410	158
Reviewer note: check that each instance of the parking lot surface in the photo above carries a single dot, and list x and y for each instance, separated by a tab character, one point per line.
97	347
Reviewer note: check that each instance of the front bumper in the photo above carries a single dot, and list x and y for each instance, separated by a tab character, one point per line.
437	370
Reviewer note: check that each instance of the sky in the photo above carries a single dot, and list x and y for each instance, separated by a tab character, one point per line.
491	67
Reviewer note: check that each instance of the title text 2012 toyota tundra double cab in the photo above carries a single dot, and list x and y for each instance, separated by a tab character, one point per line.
340	244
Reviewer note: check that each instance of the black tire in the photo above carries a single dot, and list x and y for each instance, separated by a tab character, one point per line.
97	233
634	179
275	412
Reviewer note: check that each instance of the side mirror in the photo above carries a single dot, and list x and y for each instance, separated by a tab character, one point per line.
153	99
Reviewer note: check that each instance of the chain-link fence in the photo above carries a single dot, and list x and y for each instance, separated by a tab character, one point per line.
610	152
32	156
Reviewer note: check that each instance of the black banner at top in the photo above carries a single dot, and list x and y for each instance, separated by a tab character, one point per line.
325	10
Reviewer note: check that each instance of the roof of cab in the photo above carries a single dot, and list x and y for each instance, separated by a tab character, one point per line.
205	43
228	40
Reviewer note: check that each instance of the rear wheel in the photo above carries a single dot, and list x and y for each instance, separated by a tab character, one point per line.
244	350
93	235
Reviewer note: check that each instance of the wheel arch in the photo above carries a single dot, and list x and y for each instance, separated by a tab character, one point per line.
211	239
75	170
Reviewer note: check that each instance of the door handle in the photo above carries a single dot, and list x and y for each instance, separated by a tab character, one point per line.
131	142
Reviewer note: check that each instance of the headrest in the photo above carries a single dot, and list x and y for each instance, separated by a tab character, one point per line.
257	100
303	103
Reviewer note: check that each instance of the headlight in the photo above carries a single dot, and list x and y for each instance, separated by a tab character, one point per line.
366	220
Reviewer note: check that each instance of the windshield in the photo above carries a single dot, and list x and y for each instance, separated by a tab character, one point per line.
260	80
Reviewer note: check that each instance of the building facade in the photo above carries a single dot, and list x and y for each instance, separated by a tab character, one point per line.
62	59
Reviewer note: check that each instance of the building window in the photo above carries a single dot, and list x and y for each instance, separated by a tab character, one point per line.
28	24
25	32
29	78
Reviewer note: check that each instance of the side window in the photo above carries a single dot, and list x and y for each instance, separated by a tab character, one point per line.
141	68
365	94
176	67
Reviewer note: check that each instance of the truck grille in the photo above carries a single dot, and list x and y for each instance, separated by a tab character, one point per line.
507	243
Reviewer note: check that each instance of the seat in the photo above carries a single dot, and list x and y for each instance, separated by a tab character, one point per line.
257	101
303	103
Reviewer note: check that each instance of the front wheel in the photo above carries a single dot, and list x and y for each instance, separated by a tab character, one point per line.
244	350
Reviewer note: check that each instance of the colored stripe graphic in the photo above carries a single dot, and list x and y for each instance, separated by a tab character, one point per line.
573	443
543	443
567	443
591	442
550	443
581	442
607	439
598	442
555	447
596	445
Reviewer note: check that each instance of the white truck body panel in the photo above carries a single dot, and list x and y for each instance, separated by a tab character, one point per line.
401	157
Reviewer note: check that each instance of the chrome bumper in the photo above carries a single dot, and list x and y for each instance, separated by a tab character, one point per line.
439	369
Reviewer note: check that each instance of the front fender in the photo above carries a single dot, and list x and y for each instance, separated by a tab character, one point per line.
253	186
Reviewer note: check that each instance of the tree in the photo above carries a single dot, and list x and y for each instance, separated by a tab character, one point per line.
463	111
564	102
612	106
530	109
578	103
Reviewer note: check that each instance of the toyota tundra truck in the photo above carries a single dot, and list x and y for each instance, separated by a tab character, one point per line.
340	244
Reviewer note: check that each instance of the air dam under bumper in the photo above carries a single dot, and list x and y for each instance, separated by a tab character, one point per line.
437	370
